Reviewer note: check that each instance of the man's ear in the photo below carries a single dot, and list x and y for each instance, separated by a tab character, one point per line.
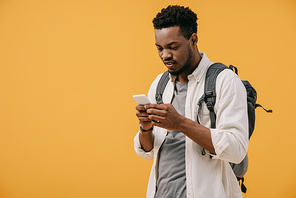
193	39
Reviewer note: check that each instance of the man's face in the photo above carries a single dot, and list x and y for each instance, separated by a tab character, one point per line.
173	49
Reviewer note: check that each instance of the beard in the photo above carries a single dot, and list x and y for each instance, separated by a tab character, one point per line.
186	65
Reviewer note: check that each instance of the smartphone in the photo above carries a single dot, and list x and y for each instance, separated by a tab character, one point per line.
141	99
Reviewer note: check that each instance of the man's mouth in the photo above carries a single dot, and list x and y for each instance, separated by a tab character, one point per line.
169	64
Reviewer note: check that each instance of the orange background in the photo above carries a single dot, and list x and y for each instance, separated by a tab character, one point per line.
68	70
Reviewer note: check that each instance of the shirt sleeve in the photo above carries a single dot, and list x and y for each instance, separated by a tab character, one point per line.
142	153
230	138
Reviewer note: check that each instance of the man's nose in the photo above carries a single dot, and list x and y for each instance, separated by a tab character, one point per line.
166	54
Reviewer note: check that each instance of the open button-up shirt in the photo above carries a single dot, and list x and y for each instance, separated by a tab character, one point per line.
207	177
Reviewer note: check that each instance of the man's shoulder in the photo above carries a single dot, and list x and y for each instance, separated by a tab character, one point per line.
228	79
227	75
165	86
158	77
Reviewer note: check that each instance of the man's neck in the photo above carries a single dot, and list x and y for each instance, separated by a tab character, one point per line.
182	78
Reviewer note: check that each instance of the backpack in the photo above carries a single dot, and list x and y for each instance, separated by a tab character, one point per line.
209	97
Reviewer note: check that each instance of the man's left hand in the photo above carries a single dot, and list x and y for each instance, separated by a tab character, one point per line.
164	115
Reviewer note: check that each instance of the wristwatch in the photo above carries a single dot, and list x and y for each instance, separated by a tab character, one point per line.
142	130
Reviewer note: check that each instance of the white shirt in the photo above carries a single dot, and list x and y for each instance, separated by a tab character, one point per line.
205	177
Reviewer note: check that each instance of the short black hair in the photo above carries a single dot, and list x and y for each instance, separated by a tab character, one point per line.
175	15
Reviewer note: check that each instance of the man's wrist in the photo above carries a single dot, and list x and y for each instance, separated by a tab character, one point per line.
143	130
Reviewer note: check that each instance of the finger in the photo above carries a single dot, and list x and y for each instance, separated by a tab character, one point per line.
144	119
140	108
158	124
156	118
156	106
148	106
142	114
157	112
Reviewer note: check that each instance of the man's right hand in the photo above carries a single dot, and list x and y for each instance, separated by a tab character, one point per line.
147	138
143	117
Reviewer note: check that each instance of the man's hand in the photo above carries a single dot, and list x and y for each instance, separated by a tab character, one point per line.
164	115
147	138
143	117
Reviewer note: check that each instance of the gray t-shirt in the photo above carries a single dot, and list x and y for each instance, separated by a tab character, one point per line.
171	181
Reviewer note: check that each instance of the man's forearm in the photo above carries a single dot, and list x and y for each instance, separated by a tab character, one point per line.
147	140
198	133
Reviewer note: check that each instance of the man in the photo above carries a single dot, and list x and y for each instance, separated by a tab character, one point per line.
169	133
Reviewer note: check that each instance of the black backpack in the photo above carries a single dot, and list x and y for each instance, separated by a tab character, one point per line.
209	97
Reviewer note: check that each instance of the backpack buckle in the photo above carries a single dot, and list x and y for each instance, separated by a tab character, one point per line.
210	100
210	104
159	99
209	94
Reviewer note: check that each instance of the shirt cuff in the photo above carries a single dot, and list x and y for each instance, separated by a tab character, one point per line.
220	142
141	152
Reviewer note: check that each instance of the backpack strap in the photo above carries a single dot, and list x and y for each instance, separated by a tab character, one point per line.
163	81
233	68
241	182
209	96
259	105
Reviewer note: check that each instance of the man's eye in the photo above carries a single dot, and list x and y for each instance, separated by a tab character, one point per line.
174	48
159	49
